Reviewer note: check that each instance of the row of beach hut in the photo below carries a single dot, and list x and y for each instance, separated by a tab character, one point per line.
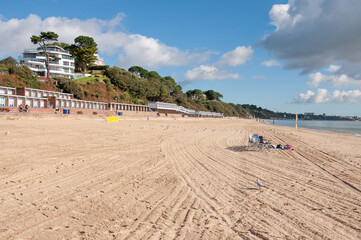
37	99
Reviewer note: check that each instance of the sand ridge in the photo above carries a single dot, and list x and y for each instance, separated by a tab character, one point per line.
84	178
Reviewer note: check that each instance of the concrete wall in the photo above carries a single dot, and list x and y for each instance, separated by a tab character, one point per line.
32	110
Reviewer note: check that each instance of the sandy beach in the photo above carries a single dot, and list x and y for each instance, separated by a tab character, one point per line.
70	177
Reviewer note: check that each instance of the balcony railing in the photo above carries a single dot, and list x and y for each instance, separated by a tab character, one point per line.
31	50
35	60
67	57
50	49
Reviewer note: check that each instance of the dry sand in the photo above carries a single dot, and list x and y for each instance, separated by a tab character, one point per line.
84	178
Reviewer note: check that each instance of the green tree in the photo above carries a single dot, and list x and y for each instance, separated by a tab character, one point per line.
83	50
169	82
195	94
163	91
70	86
139	71
63	45
118	77
42	40
25	74
177	90
212	95
154	74
8	61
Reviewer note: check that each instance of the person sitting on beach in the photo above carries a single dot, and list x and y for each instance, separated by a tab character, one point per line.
287	147
21	108
26	108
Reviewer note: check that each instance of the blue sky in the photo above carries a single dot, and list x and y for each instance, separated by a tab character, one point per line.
288	56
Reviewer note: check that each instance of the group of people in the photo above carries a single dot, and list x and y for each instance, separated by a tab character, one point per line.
22	109
260	141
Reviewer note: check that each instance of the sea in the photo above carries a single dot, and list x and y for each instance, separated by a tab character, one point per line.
350	127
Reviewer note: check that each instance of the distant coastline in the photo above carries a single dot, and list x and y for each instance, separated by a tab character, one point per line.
337	126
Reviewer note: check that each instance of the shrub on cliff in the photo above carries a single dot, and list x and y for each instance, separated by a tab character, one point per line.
24	73
70	86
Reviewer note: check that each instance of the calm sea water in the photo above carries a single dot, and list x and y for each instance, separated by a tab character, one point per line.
330	126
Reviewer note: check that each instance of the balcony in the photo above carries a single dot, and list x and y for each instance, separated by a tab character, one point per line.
50	49
35	60
67	57
31	50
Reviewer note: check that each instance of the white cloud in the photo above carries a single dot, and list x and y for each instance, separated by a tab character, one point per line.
280	16
132	49
337	81
205	72
333	68
271	63
323	96
141	50
312	34
236	57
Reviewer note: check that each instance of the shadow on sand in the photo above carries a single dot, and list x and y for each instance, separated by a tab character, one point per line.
252	189
244	148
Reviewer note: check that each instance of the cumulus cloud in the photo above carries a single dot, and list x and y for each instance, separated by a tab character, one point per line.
271	63
333	68
323	96
206	72
132	49
236	57
337	81
215	71
312	34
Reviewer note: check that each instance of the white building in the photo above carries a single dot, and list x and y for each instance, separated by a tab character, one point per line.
35	60
163	107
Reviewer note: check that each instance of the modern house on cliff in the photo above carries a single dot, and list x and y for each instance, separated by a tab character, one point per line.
35	59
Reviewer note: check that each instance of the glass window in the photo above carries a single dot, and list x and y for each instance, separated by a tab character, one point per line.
2	101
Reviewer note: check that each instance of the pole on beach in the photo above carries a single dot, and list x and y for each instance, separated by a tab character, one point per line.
296	121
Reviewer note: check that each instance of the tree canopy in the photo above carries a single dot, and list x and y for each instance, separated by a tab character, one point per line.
42	40
83	50
70	86
8	61
195	94
139	71
212	95
63	45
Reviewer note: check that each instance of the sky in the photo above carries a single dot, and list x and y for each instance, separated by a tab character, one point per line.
291	56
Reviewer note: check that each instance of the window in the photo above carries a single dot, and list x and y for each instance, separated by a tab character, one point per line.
20	101
2	101
11	102
29	55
